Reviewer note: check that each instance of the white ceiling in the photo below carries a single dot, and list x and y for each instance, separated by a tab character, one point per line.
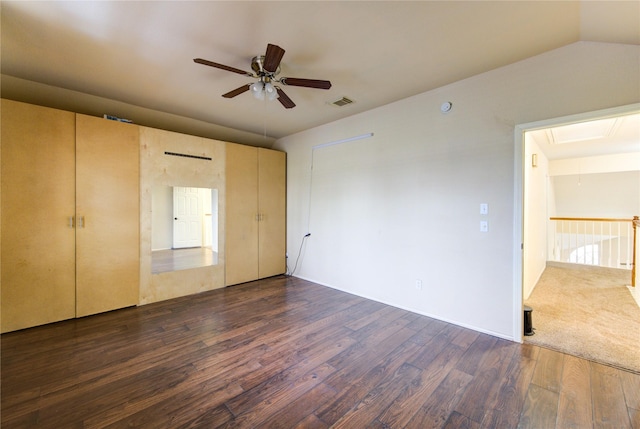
373	52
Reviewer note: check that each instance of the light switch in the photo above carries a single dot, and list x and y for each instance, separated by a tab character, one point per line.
484	226
484	208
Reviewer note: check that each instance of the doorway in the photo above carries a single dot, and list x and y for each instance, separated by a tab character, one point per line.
535	164
187	217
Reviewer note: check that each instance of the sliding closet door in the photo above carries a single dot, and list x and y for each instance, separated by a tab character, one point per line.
272	189
241	255
108	212
38	202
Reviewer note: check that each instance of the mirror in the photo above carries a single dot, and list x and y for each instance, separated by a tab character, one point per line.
184	228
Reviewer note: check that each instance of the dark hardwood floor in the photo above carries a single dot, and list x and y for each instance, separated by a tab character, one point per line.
286	353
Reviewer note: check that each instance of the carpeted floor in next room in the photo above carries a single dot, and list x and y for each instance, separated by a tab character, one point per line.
588	312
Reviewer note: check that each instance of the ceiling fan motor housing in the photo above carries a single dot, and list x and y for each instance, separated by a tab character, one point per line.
257	65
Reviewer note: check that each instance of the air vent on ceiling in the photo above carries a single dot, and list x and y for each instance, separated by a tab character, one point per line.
342	102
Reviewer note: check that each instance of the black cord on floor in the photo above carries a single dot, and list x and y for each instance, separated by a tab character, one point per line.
298	258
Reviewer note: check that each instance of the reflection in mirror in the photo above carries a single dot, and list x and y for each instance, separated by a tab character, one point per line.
184	228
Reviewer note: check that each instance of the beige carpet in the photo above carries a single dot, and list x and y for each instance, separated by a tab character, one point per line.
588	312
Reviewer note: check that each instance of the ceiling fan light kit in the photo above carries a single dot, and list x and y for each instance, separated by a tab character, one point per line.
266	69
262	90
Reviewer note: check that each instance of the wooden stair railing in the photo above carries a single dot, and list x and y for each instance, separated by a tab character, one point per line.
635	224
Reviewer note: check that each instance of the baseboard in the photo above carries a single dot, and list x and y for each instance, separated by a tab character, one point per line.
433	316
635	293
569	265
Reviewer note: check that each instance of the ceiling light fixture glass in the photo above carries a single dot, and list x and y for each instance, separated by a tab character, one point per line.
262	90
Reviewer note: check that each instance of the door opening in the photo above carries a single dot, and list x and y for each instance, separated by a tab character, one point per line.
187	217
530	255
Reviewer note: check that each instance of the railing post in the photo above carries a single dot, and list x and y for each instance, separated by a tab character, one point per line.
636	223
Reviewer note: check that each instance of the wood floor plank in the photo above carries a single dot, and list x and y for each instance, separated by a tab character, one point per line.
311	422
296	411
392	317
419	394
609	406
481	391
465	338
540	408
574	408
474	354
366	319
367	351
631	388
379	398
187	403
548	373
281	380
458	421
353	384
505	409
276	399
435	346
287	353
436	411
426	329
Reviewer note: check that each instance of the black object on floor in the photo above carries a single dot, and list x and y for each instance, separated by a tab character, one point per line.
528	324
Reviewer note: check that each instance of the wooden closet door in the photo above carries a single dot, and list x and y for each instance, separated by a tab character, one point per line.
38	202
272	188
108	212
241	229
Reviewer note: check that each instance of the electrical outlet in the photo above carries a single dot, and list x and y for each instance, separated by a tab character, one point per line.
484	226
419	284
484	208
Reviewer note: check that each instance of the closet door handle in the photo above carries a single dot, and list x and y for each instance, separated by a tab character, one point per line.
71	225
81	222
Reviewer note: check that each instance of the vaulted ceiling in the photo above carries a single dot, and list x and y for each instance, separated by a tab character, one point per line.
374	52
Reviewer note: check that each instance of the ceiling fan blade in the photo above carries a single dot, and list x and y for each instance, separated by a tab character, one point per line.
272	58
237	91
221	66
308	83
284	99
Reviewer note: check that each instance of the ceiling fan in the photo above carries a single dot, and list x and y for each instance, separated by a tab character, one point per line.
266	68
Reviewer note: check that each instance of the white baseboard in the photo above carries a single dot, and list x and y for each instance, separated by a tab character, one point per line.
453	322
635	293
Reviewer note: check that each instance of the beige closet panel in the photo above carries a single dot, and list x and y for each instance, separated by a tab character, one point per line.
272	208
38	198
255	227
108	212
241	254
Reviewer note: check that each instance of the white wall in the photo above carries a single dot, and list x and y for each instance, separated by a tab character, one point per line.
605	195
536	215
404	204
595	164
